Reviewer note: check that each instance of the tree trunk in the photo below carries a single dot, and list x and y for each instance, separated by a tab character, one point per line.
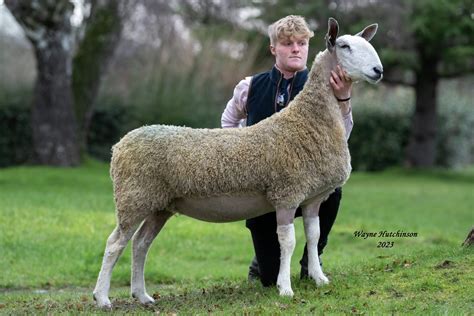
61	112
421	150
52	115
47	25
92	59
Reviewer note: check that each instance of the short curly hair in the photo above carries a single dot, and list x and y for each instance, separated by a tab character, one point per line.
291	25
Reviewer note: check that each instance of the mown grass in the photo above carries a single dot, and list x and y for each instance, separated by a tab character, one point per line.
54	223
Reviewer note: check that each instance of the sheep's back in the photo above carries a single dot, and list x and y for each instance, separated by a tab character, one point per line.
282	156
192	162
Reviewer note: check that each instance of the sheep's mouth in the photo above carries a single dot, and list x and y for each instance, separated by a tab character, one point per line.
374	79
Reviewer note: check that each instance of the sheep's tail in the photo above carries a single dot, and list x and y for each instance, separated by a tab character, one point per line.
112	164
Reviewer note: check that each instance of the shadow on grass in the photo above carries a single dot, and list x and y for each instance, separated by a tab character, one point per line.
213	297
209	298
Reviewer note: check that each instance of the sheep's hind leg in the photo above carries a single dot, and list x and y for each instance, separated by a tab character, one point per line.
114	248
286	238
312	231
141	242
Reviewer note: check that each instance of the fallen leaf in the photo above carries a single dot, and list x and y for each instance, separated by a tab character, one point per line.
39	306
445	264
281	306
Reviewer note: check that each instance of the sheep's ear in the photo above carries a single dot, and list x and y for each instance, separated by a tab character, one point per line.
368	32
333	29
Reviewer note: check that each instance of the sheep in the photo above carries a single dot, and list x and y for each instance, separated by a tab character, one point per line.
296	157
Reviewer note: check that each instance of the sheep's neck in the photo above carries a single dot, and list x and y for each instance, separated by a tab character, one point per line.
317	91
320	72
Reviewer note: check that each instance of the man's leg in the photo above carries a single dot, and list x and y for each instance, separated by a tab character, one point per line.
254	271
327	216
267	248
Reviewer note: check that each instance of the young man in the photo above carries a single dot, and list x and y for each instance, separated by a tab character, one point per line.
258	97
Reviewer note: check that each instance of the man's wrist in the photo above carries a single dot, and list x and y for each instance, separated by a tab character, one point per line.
343	99
345	106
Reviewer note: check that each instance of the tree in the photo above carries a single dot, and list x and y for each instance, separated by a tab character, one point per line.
429	41
67	83
443	38
103	29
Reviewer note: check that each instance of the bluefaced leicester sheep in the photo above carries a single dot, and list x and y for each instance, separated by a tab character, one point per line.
296	157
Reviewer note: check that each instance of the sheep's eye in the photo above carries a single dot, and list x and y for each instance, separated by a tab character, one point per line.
345	46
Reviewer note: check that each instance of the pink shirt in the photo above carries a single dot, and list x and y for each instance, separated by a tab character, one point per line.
234	114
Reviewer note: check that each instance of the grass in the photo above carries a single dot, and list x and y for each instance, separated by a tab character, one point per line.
54	223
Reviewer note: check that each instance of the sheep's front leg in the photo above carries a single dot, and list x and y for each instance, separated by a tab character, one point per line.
286	238
312	231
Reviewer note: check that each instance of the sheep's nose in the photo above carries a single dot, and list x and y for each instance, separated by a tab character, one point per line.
378	71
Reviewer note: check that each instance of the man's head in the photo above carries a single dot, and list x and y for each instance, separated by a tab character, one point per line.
289	39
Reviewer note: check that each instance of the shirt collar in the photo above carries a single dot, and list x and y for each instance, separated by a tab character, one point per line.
298	79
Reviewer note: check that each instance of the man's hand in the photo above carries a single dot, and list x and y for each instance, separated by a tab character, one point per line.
341	86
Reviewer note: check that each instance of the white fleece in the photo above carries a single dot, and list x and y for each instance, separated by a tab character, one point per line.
312	231
286	237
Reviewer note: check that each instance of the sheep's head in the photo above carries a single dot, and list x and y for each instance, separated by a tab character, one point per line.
354	52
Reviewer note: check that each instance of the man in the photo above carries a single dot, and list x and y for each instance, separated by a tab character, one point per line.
258	97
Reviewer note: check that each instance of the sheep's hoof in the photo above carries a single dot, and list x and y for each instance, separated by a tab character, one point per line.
144	298
321	280
286	292
102	302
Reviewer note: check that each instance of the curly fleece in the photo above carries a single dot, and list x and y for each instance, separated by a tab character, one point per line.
289	157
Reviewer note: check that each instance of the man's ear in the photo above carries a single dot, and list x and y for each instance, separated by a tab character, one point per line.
272	50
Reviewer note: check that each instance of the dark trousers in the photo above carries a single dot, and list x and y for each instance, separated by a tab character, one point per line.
265	238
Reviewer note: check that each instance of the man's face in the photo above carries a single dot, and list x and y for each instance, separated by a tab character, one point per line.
291	54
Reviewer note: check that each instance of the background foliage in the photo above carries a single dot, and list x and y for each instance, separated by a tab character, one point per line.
378	139
178	64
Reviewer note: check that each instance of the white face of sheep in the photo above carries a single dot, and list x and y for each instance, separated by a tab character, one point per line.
354	52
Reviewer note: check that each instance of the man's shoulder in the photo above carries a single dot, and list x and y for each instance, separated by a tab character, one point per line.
261	76
263	73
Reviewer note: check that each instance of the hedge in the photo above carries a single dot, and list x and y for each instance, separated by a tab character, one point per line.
15	132
378	139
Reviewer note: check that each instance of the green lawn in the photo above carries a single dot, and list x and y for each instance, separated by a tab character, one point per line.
54	224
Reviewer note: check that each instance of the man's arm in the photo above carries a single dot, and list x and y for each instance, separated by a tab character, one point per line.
346	111
342	87
234	113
